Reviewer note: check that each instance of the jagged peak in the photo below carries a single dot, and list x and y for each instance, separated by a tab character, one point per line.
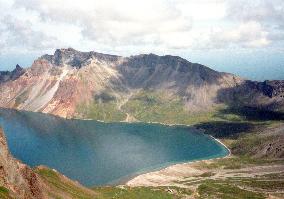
18	67
11	75
76	58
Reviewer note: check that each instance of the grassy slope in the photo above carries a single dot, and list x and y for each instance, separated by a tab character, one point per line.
105	111
243	142
150	106
60	187
213	189
132	193
145	106
103	107
4	193
245	136
236	186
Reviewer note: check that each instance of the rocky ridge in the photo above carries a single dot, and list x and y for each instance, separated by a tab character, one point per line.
63	82
13	75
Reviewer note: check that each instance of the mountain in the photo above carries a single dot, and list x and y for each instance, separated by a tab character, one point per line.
7	75
145	87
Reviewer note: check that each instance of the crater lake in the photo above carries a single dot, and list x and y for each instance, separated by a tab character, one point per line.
97	153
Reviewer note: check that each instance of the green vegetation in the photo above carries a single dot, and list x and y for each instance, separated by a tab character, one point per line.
153	106
247	143
4	193
102	111
207	174
132	193
104	107
148	106
236	185
240	187
218	189
264	184
237	162
62	186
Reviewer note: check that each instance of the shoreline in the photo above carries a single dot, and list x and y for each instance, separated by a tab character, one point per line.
127	180
220	142
135	122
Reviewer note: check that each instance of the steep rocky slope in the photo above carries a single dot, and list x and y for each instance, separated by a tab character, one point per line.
17	177
18	180
108	87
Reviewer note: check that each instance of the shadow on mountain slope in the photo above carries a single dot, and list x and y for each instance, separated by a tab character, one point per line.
264	99
224	129
252	113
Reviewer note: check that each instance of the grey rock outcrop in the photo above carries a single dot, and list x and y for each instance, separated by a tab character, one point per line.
11	75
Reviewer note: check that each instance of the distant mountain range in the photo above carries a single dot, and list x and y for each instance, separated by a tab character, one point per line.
145	87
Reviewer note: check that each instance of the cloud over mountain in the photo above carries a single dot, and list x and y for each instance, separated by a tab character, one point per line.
135	26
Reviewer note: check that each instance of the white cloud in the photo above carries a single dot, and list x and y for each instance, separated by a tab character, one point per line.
249	34
263	11
19	33
131	26
115	22
269	14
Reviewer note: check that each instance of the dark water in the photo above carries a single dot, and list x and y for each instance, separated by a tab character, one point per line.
96	153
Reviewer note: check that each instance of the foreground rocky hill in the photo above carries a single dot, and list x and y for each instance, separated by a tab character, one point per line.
18	180
18	177
144	87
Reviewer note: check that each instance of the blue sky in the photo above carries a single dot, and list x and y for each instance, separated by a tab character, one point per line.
237	36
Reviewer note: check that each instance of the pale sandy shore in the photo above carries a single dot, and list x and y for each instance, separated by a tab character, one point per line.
170	175
176	175
165	177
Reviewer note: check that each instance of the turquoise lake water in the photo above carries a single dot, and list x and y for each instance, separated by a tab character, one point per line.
96	153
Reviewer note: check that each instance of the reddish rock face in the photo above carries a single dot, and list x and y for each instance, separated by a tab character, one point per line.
59	83
18	177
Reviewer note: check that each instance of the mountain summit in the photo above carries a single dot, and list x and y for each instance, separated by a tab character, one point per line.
14	74
75	58
144	87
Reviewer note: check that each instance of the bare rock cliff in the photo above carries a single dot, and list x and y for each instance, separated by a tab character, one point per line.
17	177
61	83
